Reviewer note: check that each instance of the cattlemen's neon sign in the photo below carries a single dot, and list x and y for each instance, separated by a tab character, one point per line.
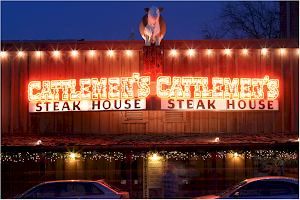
126	93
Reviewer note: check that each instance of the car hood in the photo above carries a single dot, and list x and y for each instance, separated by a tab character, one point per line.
208	197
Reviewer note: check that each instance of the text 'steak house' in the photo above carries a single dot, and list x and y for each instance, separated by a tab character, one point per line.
219	110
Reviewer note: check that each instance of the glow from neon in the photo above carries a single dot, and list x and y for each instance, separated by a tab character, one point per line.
66	85
206	93
217	88
258	88
160	91
74	95
56	86
245	88
166	87
187	82
176	88
273	86
85	84
231	88
127	87
113	85
99	88
31	86
144	86
46	94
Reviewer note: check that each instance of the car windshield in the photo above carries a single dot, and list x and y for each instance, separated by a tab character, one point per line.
223	193
109	185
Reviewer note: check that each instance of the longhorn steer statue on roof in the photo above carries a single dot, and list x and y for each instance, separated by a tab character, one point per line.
153	26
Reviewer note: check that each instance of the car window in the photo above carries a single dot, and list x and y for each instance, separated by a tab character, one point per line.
46	191
252	189
93	189
72	189
282	188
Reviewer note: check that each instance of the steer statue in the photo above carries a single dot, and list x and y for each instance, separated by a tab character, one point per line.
153	26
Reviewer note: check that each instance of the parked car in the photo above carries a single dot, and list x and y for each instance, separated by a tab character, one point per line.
269	187
74	189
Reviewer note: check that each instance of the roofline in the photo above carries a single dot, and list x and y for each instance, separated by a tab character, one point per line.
139	44
271	178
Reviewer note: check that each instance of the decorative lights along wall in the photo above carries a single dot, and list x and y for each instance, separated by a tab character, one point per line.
128	52
177	155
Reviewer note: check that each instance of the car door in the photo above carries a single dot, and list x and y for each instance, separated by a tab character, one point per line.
95	192
253	190
45	191
282	190
72	190
98	191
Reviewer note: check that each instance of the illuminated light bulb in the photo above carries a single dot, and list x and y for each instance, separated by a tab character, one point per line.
74	53
191	52
72	155
236	154
38	53
173	52
227	51
110	52
20	53
92	52
3	53
56	53
39	142
282	50
217	139
209	51
155	157
245	51
128	52
264	50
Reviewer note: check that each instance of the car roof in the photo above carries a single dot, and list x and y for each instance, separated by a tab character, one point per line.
75	180
282	178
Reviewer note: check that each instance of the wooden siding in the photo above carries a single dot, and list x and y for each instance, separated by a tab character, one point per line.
18	71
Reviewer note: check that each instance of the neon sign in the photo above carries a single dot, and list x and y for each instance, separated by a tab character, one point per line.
222	88
127	93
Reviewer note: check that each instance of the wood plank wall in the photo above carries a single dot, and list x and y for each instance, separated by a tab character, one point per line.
18	71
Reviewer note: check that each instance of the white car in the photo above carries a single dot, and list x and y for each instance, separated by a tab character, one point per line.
268	187
74	189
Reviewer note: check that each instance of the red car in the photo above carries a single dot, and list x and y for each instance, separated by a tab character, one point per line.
268	187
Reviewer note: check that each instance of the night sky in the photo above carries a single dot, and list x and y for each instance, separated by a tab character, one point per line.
99	20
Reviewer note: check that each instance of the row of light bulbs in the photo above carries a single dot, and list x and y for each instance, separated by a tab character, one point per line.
128	52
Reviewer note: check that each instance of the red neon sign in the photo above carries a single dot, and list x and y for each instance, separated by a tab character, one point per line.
167	87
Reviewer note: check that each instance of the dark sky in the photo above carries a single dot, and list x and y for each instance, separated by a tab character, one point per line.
99	20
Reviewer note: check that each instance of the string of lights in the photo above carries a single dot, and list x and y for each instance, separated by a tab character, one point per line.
177	155
173	52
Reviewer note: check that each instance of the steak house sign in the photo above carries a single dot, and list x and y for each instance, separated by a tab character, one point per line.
175	93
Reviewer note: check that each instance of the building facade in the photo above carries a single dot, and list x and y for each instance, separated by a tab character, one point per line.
219	110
